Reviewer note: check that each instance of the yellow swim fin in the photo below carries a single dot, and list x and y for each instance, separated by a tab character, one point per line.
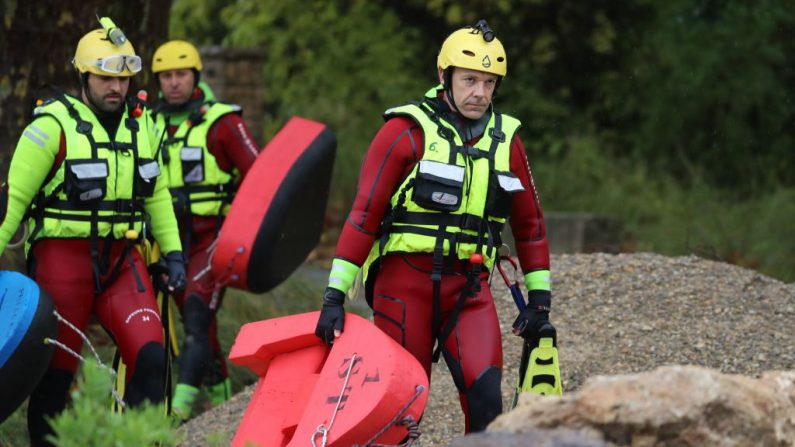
543	370
539	371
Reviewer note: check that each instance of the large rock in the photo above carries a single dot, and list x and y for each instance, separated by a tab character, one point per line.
670	406
558	437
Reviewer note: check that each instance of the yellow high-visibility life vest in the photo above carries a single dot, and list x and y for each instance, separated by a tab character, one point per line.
192	170
456	197
102	182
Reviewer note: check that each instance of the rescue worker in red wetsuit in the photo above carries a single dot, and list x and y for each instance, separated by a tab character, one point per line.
84	171
206	151
438	183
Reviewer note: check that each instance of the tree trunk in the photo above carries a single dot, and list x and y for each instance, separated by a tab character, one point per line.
37	43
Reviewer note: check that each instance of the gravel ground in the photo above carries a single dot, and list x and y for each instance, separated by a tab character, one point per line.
615	314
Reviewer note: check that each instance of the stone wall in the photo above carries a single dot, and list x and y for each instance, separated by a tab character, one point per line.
578	233
235	75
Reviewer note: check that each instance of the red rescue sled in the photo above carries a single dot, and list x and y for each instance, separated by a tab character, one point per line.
357	392
277	215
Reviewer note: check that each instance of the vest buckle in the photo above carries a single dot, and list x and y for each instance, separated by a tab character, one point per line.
84	127
445	133
497	134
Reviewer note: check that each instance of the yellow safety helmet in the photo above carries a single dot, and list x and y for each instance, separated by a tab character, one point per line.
176	54
106	52
475	48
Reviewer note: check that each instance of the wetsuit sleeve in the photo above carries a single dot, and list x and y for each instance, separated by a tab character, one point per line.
527	223
160	209
390	158
231	143
32	161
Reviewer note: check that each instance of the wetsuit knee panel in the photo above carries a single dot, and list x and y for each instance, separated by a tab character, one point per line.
484	399
148	380
196	317
152	356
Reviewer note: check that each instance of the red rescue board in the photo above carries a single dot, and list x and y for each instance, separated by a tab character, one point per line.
277	215
362	385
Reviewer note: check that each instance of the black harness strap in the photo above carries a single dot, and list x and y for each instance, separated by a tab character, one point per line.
471	289
464	221
436	279
472	285
112	219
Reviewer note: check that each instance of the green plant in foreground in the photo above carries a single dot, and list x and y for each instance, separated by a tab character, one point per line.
90	422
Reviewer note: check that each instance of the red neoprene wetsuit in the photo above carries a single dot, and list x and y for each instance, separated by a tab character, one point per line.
125	303
63	267
403	290
231	143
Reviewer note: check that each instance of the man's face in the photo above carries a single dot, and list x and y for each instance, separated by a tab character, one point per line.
106	93
472	91
177	85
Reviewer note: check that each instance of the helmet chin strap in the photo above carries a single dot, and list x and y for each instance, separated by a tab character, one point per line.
468	127
448	88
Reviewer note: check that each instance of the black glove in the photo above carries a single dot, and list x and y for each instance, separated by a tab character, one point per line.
159	273
332	315
535	315
176	271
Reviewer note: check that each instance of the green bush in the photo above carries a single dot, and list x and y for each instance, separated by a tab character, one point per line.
663	215
14	430
89	421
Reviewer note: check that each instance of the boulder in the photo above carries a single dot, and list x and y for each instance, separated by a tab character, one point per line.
669	406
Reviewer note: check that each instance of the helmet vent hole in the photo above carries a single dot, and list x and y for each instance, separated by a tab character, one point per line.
183	56
468	53
500	59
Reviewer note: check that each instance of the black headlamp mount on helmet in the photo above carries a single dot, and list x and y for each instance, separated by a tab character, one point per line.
485	30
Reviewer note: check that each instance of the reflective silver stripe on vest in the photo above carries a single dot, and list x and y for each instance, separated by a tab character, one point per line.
510	183
190	153
33	138
40	133
442	170
149	170
85	171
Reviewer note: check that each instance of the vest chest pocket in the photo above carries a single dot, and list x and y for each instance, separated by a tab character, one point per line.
502	186
146	177
438	186
192	164
85	180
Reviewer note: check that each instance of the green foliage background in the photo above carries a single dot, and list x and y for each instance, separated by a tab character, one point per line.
674	116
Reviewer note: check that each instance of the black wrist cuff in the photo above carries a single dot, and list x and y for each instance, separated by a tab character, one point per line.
333	296
539	298
175	256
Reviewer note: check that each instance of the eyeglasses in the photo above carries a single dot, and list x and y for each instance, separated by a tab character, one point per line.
116	64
